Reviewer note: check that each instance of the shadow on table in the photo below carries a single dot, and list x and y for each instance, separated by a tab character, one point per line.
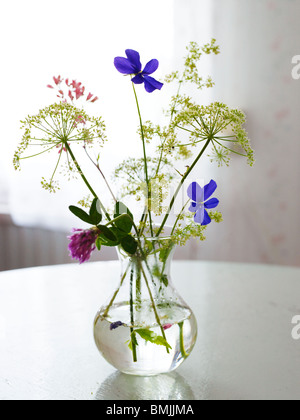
119	386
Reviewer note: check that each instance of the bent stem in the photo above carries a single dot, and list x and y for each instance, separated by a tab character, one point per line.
101	173
65	142
116	292
181	184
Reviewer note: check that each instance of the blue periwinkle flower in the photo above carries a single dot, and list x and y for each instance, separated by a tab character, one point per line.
132	65
115	325
200	201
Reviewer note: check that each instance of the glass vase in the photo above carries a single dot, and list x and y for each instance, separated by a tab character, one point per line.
146	328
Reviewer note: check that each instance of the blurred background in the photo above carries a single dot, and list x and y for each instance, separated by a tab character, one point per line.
256	71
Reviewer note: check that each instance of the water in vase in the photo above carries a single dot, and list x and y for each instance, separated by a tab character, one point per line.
113	333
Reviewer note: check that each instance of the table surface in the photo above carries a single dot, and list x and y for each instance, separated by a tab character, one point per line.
245	348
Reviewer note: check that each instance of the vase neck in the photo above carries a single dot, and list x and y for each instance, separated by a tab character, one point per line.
152	254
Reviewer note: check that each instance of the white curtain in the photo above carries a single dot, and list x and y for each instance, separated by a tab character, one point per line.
258	39
260	205
78	40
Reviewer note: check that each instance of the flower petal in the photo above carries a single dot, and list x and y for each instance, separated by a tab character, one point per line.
134	58
209	189
151	84
151	67
124	66
211	204
199	216
206	219
138	79
194	207
115	325
195	192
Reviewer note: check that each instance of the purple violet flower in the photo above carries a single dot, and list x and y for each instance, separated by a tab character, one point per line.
132	65
200	202
82	244
115	325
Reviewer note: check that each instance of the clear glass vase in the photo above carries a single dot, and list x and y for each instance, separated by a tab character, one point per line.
146	328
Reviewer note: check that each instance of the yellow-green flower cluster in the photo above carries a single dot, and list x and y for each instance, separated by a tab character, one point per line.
222	126
56	128
191	72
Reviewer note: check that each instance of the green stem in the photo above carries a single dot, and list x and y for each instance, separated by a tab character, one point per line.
142	223
133	344
111	222
181	341
37	154
84	178
138	287
230	150
60	155
172	114
153	305
116	293
178	217
101	173
181	184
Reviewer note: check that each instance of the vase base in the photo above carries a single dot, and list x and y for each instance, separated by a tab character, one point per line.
113	338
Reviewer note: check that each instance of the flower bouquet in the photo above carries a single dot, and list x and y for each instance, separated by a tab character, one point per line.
146	328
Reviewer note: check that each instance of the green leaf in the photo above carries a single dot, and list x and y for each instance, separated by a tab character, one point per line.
120	208
98	243
160	341
164	253
129	244
150	336
164	279
125	223
107	242
119	234
106	233
146	334
95	215
107	237
81	214
133	341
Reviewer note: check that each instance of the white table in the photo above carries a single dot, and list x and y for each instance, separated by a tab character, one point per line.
245	349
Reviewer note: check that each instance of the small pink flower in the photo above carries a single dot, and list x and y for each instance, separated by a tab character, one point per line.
57	80
90	95
75	84
167	326
76	90
61	148
79	91
61	94
70	95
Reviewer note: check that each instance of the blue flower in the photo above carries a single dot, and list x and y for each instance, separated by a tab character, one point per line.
115	325
132	65
200	202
